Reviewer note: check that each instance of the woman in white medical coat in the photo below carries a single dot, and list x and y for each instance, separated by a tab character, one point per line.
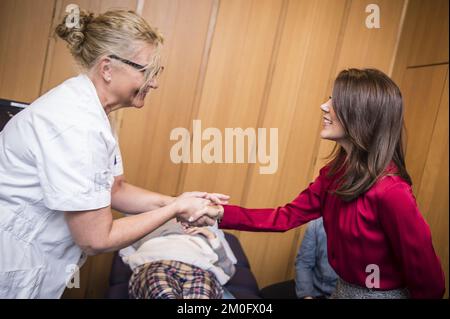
60	165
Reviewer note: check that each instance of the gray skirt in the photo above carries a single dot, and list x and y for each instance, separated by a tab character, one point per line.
345	290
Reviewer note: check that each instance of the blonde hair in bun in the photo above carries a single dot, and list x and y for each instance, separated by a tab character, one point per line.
117	32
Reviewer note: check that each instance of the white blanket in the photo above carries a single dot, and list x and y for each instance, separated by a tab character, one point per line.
189	249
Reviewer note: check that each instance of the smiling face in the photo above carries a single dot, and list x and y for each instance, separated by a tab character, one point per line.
128	84
332	127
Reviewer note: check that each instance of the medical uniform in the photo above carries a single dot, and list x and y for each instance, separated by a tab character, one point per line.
57	155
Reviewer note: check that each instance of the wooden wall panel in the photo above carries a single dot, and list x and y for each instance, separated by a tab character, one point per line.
433	191
187	26
424	38
298	85
24	30
422	57
429	47
234	86
422	89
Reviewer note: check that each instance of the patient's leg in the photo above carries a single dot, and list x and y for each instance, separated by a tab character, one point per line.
156	280
200	284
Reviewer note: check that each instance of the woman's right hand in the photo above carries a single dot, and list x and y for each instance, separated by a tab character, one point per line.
210	217
190	207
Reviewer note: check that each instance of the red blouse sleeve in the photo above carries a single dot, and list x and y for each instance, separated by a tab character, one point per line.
305	207
410	238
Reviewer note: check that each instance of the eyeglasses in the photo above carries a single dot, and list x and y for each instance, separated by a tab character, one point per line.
139	67
130	63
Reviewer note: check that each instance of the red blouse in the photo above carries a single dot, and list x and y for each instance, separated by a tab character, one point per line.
383	226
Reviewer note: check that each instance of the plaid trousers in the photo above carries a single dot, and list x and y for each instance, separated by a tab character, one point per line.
169	279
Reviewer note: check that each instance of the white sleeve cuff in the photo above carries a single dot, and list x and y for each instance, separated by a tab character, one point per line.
90	201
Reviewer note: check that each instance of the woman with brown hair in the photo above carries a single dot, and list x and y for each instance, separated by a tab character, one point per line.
60	166
378	242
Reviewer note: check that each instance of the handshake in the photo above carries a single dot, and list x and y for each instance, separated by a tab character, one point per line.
199	208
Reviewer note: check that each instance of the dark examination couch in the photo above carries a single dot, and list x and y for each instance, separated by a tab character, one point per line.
242	285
